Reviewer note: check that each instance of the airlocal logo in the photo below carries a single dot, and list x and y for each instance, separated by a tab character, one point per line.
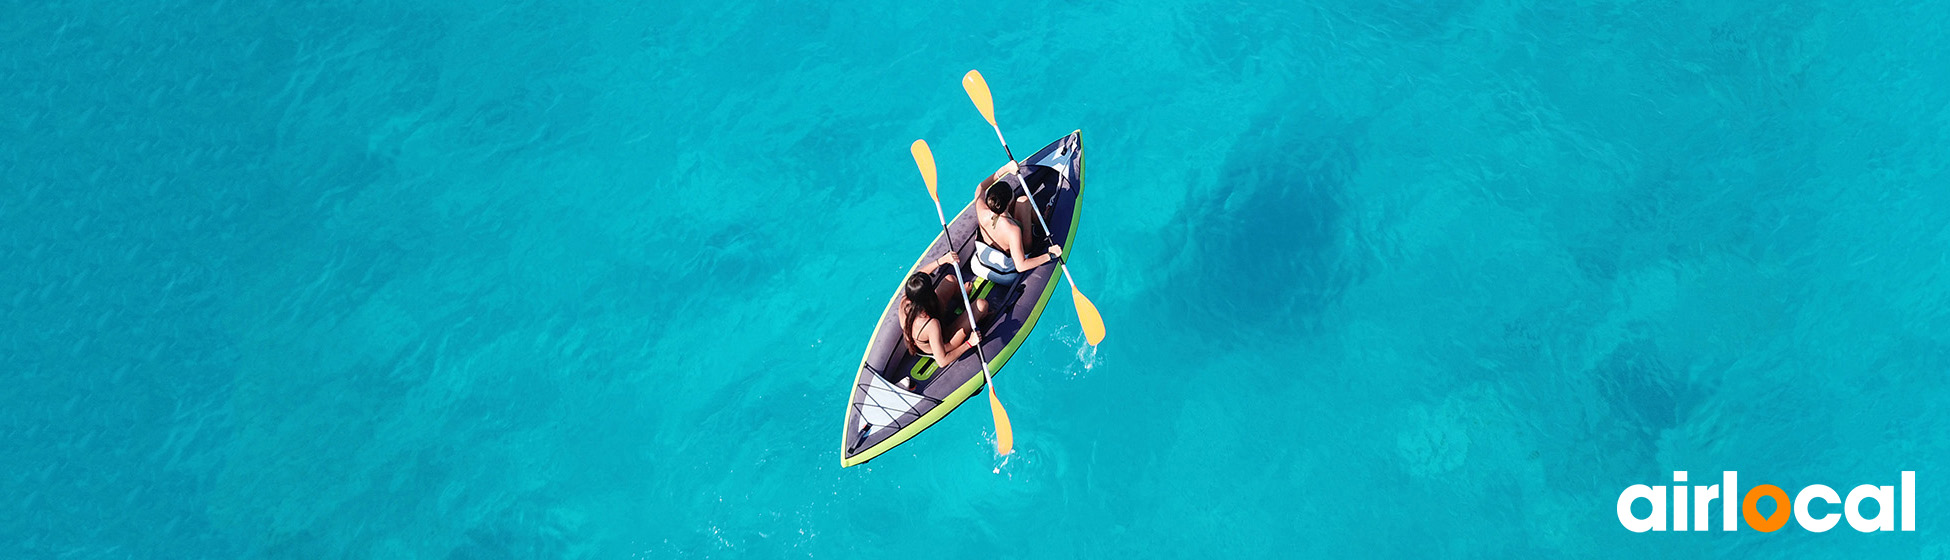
1704	496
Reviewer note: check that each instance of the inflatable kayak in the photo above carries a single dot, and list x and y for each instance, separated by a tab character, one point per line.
880	413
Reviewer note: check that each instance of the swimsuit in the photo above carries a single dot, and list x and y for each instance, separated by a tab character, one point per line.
939	274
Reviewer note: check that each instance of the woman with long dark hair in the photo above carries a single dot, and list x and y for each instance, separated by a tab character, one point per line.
931	312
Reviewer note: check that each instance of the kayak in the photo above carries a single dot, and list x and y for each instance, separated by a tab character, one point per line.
880	413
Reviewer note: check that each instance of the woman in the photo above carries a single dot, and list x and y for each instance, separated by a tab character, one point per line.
931	312
1007	228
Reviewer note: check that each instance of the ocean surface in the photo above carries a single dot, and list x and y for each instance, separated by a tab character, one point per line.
590	279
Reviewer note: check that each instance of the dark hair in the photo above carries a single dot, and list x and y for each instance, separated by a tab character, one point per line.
997	196
919	290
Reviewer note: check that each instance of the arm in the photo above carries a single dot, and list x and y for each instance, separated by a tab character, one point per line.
1006	169
944	352
945	258
1016	253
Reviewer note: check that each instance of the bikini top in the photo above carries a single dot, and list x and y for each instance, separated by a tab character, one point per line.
910	310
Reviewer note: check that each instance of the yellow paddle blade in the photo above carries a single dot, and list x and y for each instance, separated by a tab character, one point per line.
924	159
978	91
1005	437
1093	323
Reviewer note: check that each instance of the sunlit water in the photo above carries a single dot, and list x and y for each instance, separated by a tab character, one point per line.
1427	278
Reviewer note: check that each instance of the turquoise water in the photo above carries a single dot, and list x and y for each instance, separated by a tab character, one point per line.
1421	278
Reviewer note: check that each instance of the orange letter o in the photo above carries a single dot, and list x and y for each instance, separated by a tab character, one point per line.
1782	508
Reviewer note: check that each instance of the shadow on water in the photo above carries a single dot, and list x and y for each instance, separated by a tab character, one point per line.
1260	252
1646	397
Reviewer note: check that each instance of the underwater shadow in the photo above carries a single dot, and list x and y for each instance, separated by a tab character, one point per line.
1261	253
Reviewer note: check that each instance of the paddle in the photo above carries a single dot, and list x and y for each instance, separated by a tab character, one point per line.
1093	323
1005	439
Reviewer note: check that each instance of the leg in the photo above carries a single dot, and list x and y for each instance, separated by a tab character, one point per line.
957	332
981	313
981	305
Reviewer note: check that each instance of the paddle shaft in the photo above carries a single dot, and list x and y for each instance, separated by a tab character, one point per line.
1005	144
962	288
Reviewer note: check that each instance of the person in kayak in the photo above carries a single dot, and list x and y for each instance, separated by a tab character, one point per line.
931	312
1007	226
